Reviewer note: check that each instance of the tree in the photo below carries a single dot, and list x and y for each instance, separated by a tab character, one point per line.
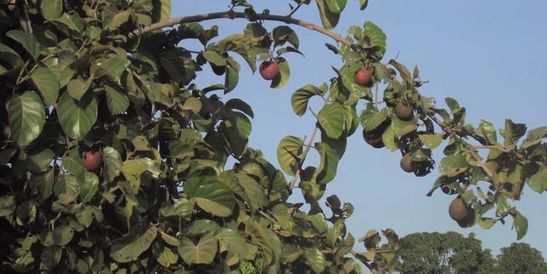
113	160
521	258
448	252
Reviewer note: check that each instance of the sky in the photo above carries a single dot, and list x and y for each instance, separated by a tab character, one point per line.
489	55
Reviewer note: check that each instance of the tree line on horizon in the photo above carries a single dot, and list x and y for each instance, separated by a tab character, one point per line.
452	252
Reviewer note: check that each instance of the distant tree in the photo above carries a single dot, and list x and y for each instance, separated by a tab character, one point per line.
444	253
521	258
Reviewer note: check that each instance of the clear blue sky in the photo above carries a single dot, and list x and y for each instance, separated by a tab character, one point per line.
490	55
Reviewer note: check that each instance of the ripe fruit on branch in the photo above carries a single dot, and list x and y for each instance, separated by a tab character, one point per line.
269	69
404	111
459	211
363	76
408	164
92	160
374	138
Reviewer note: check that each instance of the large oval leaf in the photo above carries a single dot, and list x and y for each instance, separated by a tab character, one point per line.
77	118
46	83
301	97
128	248
203	252
51	9
27	41
331	119
26	117
288	153
210	195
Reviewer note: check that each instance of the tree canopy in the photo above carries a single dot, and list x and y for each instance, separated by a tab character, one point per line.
451	252
114	160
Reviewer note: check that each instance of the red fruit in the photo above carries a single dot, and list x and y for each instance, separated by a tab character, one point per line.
269	70
458	210
363	76
92	160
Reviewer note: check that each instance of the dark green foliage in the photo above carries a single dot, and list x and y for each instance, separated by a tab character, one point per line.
101	76
521	258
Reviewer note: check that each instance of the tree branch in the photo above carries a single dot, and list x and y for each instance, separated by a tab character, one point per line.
304	155
240	15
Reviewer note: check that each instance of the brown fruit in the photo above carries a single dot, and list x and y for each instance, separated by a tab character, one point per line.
363	76
269	70
92	160
407	163
459	211
373	138
404	111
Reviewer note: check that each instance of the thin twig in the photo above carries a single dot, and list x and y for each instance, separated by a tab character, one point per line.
483	166
240	15
304	155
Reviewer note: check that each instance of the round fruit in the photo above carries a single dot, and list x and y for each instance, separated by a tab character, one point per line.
363	76
269	70
407	163
458	210
373	138
92	160
404	111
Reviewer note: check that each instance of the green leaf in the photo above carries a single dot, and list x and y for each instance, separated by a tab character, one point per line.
389	139
73	163
112	68
77	118
129	247
215	58
538	181
520	223
26	116
119	19
232	76
404	73
284	73
162	10
39	162
72	21
210	195
329	19
283	34
7	205
116	101
51	9
431	140
452	104
316	259
112	162
77	88
67	186
46	82
363	4
401	127
27	41
512	132
301	97
62	235
534	136
336	6
453	165
331	118
164	255
373	119
203	252
234	244
181	208
192	104
51	256
289	151
133	169
240	105
377	39
328	163
89	186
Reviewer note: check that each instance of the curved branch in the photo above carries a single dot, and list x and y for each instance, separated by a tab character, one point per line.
240	15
